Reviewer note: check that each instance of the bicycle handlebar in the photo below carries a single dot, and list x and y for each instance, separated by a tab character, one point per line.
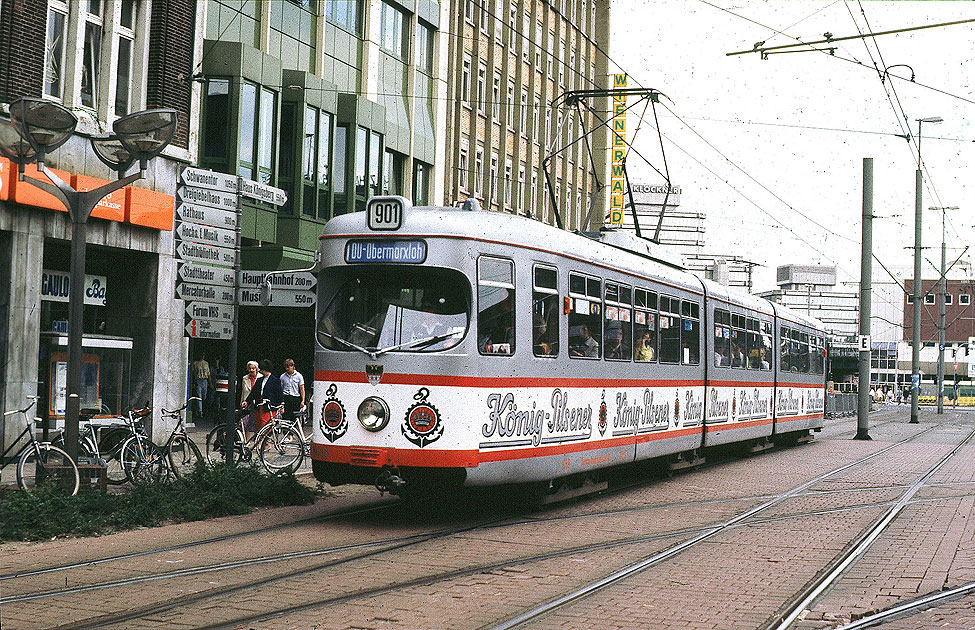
171	412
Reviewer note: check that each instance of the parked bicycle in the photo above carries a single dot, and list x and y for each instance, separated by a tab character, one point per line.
182	453
141	459
243	446
37	461
284	446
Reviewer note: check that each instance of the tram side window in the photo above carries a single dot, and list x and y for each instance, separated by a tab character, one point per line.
722	338
495	306
585	321
801	359
618	330
738	343
545	312
765	346
669	330
785	339
819	362
645	326
690	333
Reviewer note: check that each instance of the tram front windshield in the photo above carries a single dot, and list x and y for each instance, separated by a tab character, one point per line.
395	309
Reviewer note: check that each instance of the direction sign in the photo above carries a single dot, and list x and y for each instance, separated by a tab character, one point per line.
190	291
206	274
205	234
294	280
252	297
205	215
206	253
207	197
206	310
263	192
200	178
207	329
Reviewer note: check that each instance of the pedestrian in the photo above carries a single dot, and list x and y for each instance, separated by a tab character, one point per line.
202	383
265	395
293	389
246	385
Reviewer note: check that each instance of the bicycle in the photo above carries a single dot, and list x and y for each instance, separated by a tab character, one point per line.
243	448
39	461
142	460
182	453
284	446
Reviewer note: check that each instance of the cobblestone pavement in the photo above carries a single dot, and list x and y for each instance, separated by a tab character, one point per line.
477	562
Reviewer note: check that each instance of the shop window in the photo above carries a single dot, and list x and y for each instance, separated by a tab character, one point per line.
585	317
495	306
545	312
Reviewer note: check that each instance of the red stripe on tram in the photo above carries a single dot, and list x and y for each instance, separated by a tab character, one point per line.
500	381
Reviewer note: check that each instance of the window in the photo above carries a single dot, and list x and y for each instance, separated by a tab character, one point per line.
492	192
496	98
469	11
545	312
521	187
478	170
340	161
511	104
645	325
57	18
785	360
393	164
91	60
391	35
465	82
585	325
463	165
929	298
550	53
690	332
125	35
947	299
481	86
722	338
495	306
535	117
368	152
964	299
670	330
421	183
758	344
257	134
216	117
507	182
534	193
538	47
910	298
343	13
482	22
618	322
424	49
523	123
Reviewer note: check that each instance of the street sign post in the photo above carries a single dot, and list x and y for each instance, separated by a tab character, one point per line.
192	292
205	215
197	252
279	297
210	310
295	280
206	274
209	329
205	234
263	192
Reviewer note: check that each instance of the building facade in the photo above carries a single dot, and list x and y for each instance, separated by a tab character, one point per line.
507	61
333	101
102	59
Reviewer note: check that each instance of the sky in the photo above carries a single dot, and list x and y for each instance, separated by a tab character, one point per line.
772	150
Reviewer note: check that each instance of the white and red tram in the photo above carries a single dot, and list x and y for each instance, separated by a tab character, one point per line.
458	346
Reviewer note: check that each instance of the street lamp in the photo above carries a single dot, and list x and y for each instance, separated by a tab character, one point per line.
943	286
41	126
916	323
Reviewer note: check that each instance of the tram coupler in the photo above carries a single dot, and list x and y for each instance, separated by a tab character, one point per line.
389	482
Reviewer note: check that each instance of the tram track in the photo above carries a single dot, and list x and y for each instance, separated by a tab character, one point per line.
906	609
427	579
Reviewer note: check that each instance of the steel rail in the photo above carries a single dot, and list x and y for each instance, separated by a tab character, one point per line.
927	601
812	593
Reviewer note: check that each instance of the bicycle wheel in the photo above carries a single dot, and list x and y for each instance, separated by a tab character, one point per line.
143	461
281	449
183	455
43	463
216	453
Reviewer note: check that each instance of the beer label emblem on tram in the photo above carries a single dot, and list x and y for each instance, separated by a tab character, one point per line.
422	424
335	421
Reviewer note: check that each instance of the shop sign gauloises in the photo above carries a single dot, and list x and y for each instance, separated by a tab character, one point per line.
207	246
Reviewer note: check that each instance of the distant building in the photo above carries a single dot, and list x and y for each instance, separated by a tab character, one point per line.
810	289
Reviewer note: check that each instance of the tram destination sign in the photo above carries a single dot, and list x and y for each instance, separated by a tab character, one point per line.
205	215
209	329
206	274
206	234
210	254
385	251
212	180
210	311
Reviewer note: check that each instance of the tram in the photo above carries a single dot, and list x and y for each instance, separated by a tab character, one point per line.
457	346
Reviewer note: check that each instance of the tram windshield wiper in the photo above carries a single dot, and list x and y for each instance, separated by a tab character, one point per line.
348	344
426	341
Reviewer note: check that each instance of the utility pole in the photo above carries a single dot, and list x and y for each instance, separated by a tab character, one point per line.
866	275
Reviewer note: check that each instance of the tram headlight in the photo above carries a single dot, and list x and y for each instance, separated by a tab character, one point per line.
373	414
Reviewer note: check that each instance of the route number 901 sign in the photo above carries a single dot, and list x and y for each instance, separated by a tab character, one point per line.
385	213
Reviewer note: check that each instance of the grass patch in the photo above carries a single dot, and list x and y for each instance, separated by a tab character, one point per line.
208	492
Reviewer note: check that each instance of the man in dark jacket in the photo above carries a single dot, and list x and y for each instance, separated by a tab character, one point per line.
268	388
